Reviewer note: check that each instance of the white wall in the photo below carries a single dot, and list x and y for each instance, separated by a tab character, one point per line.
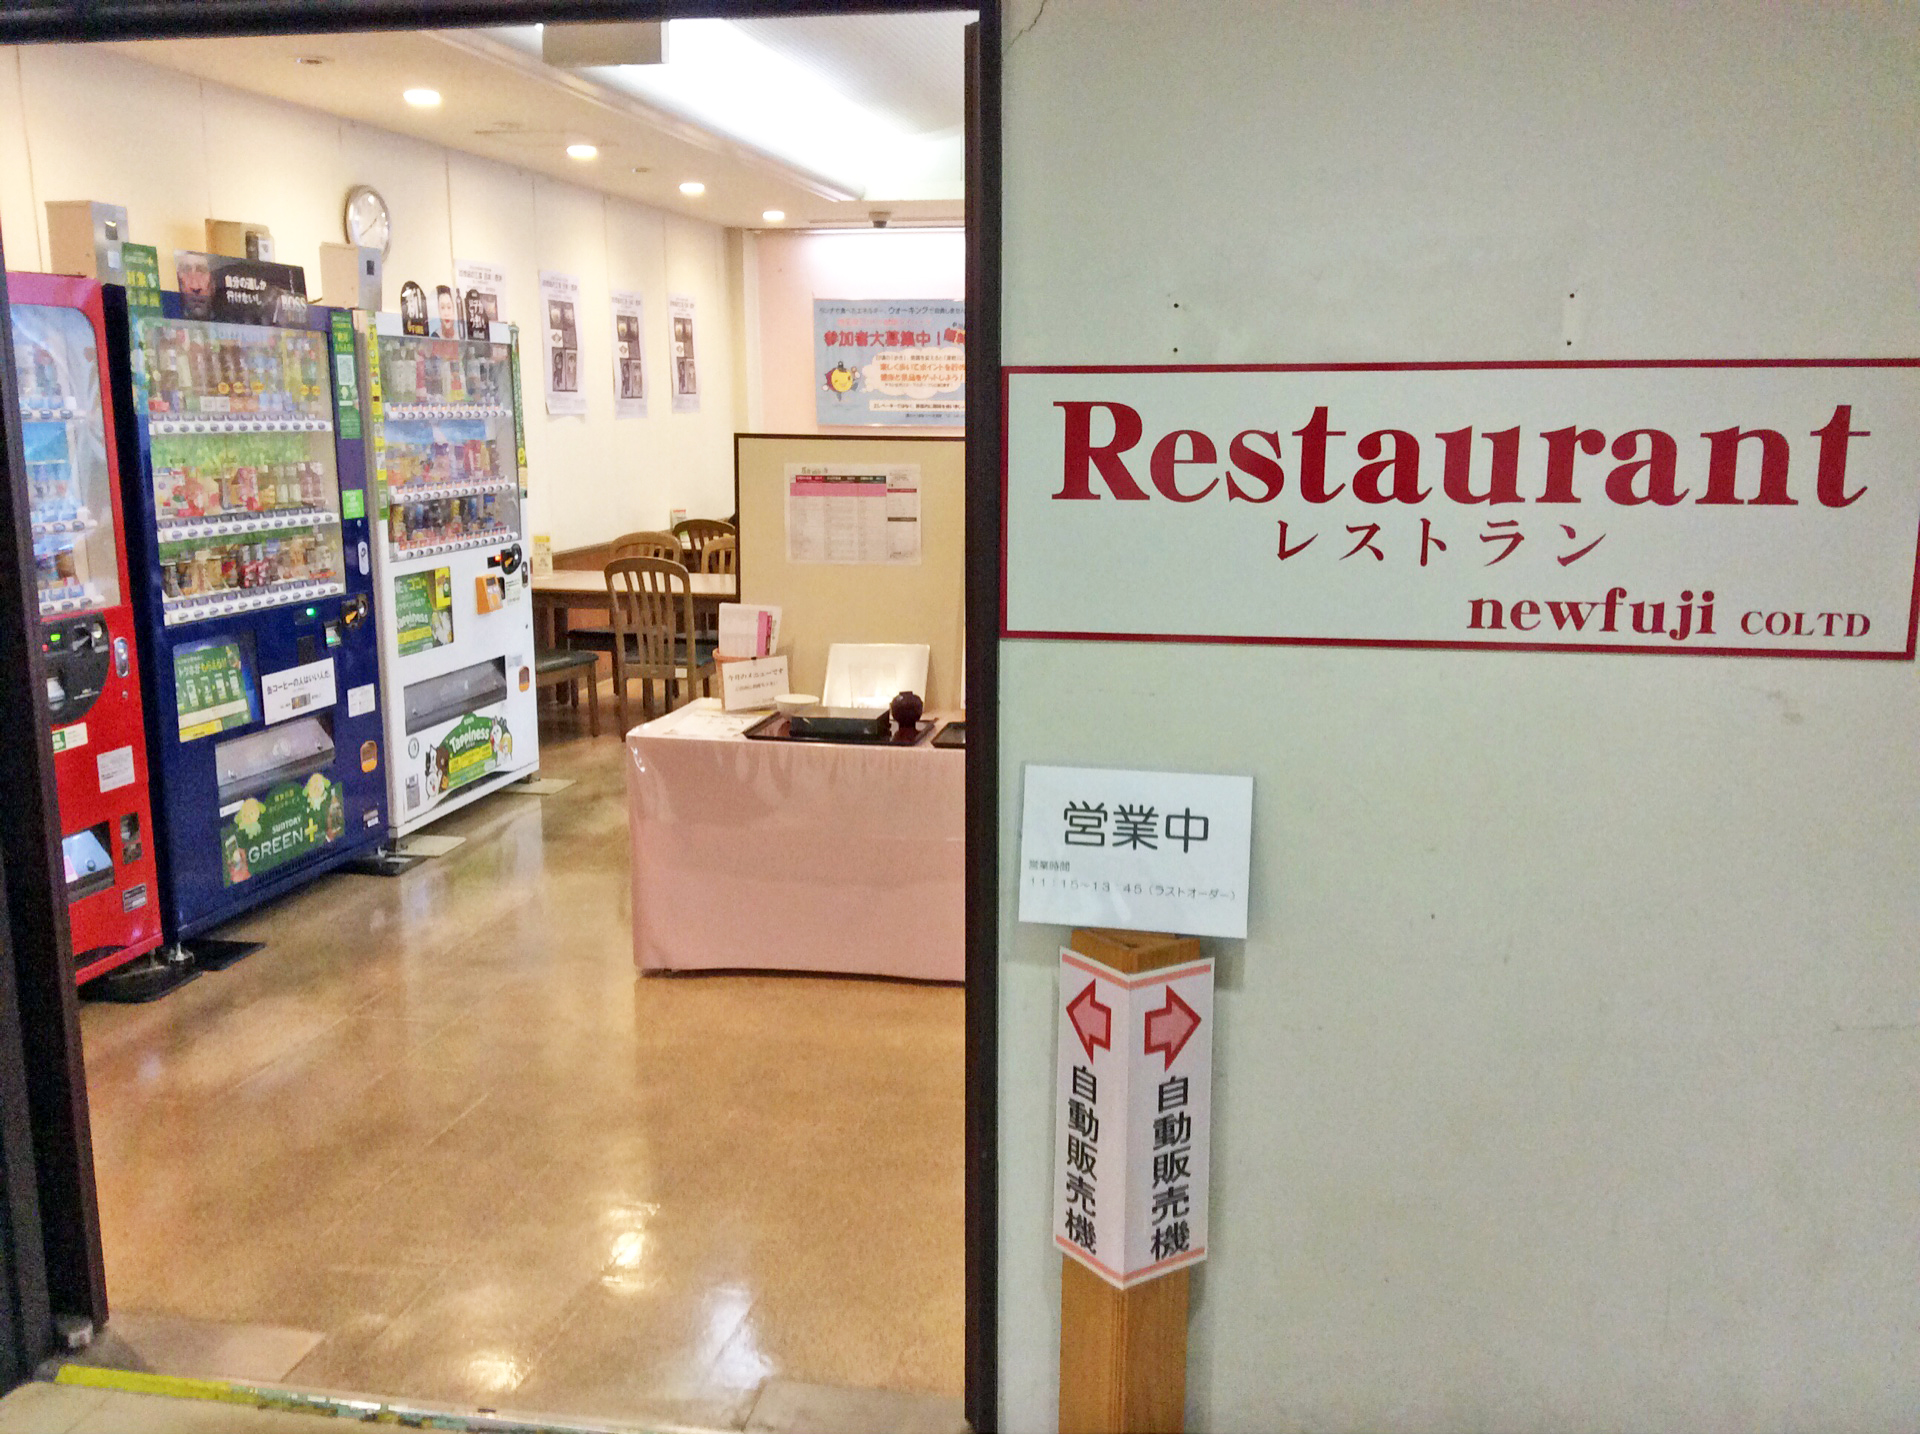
80	123
795	269
1568	1075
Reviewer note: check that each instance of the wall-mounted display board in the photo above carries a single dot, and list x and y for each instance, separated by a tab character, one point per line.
890	361
1767	507
830	591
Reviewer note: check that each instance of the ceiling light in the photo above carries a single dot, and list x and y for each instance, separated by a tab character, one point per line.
422	99
582	151
693	187
774	216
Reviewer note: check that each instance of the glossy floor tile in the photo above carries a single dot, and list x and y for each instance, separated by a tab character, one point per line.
441	1122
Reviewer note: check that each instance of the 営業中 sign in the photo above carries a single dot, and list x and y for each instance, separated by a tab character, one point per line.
1134	1095
1145	851
1745	508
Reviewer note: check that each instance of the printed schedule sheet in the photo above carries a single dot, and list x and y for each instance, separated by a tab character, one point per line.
842	514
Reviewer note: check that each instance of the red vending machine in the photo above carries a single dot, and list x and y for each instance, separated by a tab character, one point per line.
86	621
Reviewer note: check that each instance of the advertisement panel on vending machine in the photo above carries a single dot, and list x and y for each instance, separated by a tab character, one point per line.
448	472
252	578
92	700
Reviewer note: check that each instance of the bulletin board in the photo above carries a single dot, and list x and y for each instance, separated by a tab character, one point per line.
823	603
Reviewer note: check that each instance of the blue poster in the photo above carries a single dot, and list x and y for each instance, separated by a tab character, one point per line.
891	361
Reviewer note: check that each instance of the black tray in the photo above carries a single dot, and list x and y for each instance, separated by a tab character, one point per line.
775	729
954	734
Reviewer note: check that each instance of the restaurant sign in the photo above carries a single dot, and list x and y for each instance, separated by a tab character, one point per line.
1750	508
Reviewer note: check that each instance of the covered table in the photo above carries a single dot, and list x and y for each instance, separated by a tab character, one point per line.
794	856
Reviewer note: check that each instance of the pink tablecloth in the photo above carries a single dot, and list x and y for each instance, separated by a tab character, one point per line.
797	856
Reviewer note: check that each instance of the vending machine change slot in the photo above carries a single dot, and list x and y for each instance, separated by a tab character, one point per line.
451	695
259	761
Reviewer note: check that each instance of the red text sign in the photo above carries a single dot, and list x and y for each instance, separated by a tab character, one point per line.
1764	507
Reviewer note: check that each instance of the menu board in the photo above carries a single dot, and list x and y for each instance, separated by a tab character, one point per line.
211	689
423	610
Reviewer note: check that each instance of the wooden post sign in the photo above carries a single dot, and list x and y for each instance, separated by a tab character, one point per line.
1134	1094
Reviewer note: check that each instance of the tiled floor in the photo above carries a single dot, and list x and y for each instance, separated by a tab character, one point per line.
439	1122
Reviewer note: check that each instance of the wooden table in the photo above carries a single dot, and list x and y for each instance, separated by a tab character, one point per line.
558	593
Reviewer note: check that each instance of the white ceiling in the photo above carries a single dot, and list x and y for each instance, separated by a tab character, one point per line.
838	115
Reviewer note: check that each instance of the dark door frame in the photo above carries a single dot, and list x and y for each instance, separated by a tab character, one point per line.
47	1184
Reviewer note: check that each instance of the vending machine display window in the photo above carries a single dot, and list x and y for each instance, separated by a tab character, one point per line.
246	495
63	438
214	686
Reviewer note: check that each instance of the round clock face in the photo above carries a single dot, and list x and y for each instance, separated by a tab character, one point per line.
368	223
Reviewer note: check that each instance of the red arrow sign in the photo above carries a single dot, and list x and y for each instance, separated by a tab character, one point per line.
1092	1021
1169	1028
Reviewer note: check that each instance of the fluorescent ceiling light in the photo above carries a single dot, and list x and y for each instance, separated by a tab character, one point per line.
693	187
774	216
720	77
582	151
422	99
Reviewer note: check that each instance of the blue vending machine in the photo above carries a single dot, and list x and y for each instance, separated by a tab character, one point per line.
253	587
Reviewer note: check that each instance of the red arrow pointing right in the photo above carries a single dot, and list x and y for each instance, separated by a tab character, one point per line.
1169	1027
1092	1020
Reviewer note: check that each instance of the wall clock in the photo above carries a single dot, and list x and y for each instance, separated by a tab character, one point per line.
368	222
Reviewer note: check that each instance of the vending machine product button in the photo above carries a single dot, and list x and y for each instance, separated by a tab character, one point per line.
120	659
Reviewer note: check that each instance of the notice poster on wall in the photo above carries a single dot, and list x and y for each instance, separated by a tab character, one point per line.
1713	508
482	293
842	514
890	361
560	298
629	355
686	379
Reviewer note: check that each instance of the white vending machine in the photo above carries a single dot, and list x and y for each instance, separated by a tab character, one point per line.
446	445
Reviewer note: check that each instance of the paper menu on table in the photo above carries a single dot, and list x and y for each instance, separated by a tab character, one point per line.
747	631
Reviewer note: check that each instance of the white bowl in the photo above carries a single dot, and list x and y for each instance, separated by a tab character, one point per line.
791	703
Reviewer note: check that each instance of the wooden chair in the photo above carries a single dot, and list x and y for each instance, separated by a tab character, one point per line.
697	533
652	605
654	543
563	667
722	555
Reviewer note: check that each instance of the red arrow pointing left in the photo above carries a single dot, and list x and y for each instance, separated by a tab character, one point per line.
1092	1020
1169	1027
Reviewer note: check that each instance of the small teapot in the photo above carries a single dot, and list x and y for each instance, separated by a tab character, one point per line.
906	709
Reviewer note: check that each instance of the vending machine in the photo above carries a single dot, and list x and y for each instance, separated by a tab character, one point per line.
448	457
87	631
253	583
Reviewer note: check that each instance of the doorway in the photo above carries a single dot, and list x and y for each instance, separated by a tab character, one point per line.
506	914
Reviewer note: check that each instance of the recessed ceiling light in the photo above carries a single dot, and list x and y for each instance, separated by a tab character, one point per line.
582	151
310	59
693	186
422	99
774	216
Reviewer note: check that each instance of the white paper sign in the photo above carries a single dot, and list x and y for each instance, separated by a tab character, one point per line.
1736	508
1144	851
560	303
1134	1098
686	376
116	768
629	355
752	682
849	513
748	631
360	700
482	292
293	691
